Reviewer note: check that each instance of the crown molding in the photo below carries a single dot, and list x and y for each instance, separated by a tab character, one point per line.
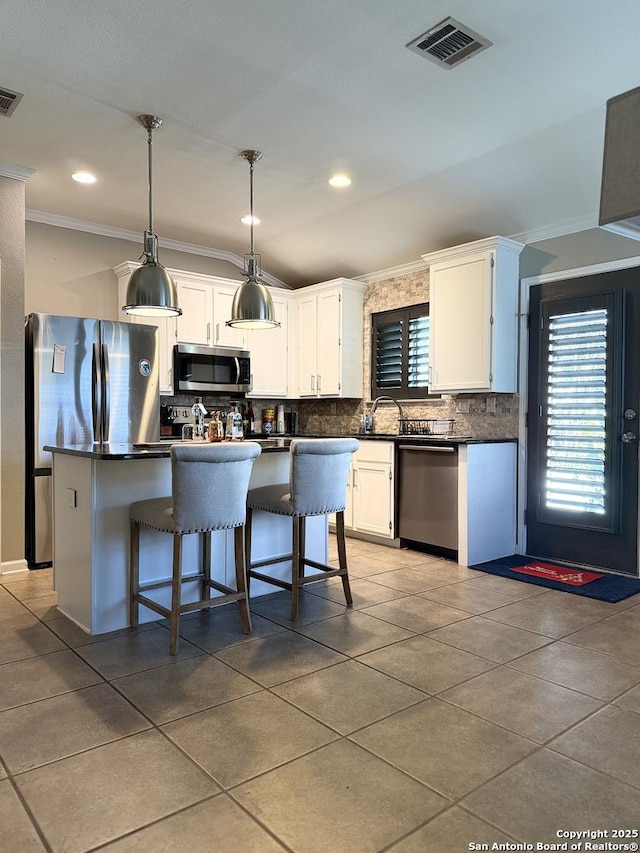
134	237
623	229
573	226
18	173
391	272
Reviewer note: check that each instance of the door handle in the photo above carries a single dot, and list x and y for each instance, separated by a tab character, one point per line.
628	437
208	331
106	394
217	332
428	448
96	387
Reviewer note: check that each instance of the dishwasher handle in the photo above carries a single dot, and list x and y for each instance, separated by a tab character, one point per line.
428	448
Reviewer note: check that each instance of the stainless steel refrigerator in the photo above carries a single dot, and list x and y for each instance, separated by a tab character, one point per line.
88	382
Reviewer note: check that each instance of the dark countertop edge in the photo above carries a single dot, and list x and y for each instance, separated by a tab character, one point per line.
128	451
419	439
116	452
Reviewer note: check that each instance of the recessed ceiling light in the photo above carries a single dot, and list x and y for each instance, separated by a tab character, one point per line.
84	178
246	220
340	180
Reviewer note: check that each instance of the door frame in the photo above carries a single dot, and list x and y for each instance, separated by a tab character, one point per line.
523	374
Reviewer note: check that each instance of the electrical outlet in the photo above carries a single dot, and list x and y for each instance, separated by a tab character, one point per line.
491	406
462	407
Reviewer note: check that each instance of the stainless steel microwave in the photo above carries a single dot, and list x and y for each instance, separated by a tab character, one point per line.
221	369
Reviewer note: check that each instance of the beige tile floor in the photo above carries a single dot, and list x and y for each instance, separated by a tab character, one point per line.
448	708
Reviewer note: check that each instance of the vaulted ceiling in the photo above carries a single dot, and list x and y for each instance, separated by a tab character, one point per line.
508	142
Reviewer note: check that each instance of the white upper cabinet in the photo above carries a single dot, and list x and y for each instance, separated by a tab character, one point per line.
269	350
329	339
223	335
473	309
194	324
206	306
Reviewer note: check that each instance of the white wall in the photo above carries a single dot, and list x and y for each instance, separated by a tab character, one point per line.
70	272
593	246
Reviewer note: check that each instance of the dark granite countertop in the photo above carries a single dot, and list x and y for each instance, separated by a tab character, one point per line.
273	444
149	450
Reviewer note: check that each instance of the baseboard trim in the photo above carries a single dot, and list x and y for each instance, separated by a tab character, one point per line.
13	567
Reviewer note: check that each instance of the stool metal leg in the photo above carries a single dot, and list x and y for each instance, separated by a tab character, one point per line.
241	578
342	557
175	593
134	572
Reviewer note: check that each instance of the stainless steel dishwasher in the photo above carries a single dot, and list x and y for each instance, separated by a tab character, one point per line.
428	495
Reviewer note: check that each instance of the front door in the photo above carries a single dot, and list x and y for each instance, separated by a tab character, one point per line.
584	399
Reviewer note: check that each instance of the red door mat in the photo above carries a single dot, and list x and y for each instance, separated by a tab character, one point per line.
574	577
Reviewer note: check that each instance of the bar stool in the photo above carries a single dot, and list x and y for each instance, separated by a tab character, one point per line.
209	484
317	486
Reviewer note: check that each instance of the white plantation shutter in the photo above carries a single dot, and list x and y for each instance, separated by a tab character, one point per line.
576	412
400	352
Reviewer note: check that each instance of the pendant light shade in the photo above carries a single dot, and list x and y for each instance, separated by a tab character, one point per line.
151	291
252	306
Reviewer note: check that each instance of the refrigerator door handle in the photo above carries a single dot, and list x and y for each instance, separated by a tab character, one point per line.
96	399
106	407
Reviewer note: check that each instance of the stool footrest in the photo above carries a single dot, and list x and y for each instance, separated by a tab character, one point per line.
228	598
326	572
159	584
269	579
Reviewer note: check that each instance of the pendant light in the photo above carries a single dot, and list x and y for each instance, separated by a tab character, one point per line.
151	291
252	306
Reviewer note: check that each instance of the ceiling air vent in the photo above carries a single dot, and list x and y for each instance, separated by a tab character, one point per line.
449	43
8	101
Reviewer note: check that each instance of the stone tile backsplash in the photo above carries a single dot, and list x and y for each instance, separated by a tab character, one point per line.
478	415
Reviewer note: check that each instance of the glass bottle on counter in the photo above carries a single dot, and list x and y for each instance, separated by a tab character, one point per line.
250	418
234	423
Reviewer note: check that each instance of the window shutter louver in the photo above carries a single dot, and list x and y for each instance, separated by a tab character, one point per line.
400	352
576	412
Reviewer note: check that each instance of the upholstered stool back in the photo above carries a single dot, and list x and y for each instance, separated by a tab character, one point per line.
206	496
319	471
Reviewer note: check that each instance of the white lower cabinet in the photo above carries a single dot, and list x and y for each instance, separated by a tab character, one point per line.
370	490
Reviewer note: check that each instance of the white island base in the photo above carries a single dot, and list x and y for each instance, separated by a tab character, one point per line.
91	536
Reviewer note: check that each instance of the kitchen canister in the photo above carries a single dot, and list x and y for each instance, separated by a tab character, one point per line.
268	416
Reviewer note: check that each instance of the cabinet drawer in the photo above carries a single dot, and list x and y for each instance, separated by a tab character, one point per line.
375	451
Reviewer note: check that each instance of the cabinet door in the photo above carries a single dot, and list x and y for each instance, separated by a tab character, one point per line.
372	498
166	339
329	328
270	354
194	324
460	310
348	508
306	349
226	336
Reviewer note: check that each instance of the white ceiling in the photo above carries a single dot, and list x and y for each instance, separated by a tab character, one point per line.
509	142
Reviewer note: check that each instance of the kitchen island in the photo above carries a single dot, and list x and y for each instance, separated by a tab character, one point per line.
93	487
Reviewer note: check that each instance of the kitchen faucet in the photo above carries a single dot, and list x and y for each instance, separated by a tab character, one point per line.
391	400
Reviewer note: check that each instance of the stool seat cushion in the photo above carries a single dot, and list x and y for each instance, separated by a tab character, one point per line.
155	512
275	498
